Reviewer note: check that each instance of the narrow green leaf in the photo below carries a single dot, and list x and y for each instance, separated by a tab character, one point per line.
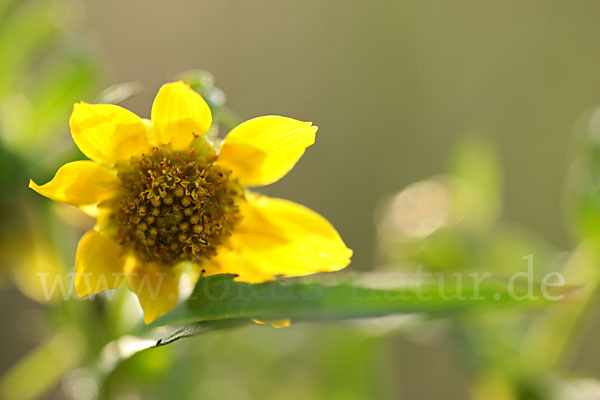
219	297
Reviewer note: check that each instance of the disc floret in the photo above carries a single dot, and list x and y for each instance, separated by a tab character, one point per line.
174	206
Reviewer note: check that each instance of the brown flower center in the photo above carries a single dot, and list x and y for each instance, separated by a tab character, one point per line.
175	206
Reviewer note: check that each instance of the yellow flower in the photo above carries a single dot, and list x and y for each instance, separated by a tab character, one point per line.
165	197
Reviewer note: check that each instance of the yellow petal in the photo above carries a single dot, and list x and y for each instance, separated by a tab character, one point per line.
79	183
262	150
107	133
156	286
279	237
280	323
179	114
153	140
238	262
99	264
90	210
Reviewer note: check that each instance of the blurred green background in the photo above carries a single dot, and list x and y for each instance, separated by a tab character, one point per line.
393	87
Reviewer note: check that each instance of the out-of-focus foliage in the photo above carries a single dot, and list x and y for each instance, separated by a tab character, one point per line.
450	224
44	68
335	362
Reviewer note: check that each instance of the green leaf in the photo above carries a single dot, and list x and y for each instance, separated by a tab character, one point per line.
219	297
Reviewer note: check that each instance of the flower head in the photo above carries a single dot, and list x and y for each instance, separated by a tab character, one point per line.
165	197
